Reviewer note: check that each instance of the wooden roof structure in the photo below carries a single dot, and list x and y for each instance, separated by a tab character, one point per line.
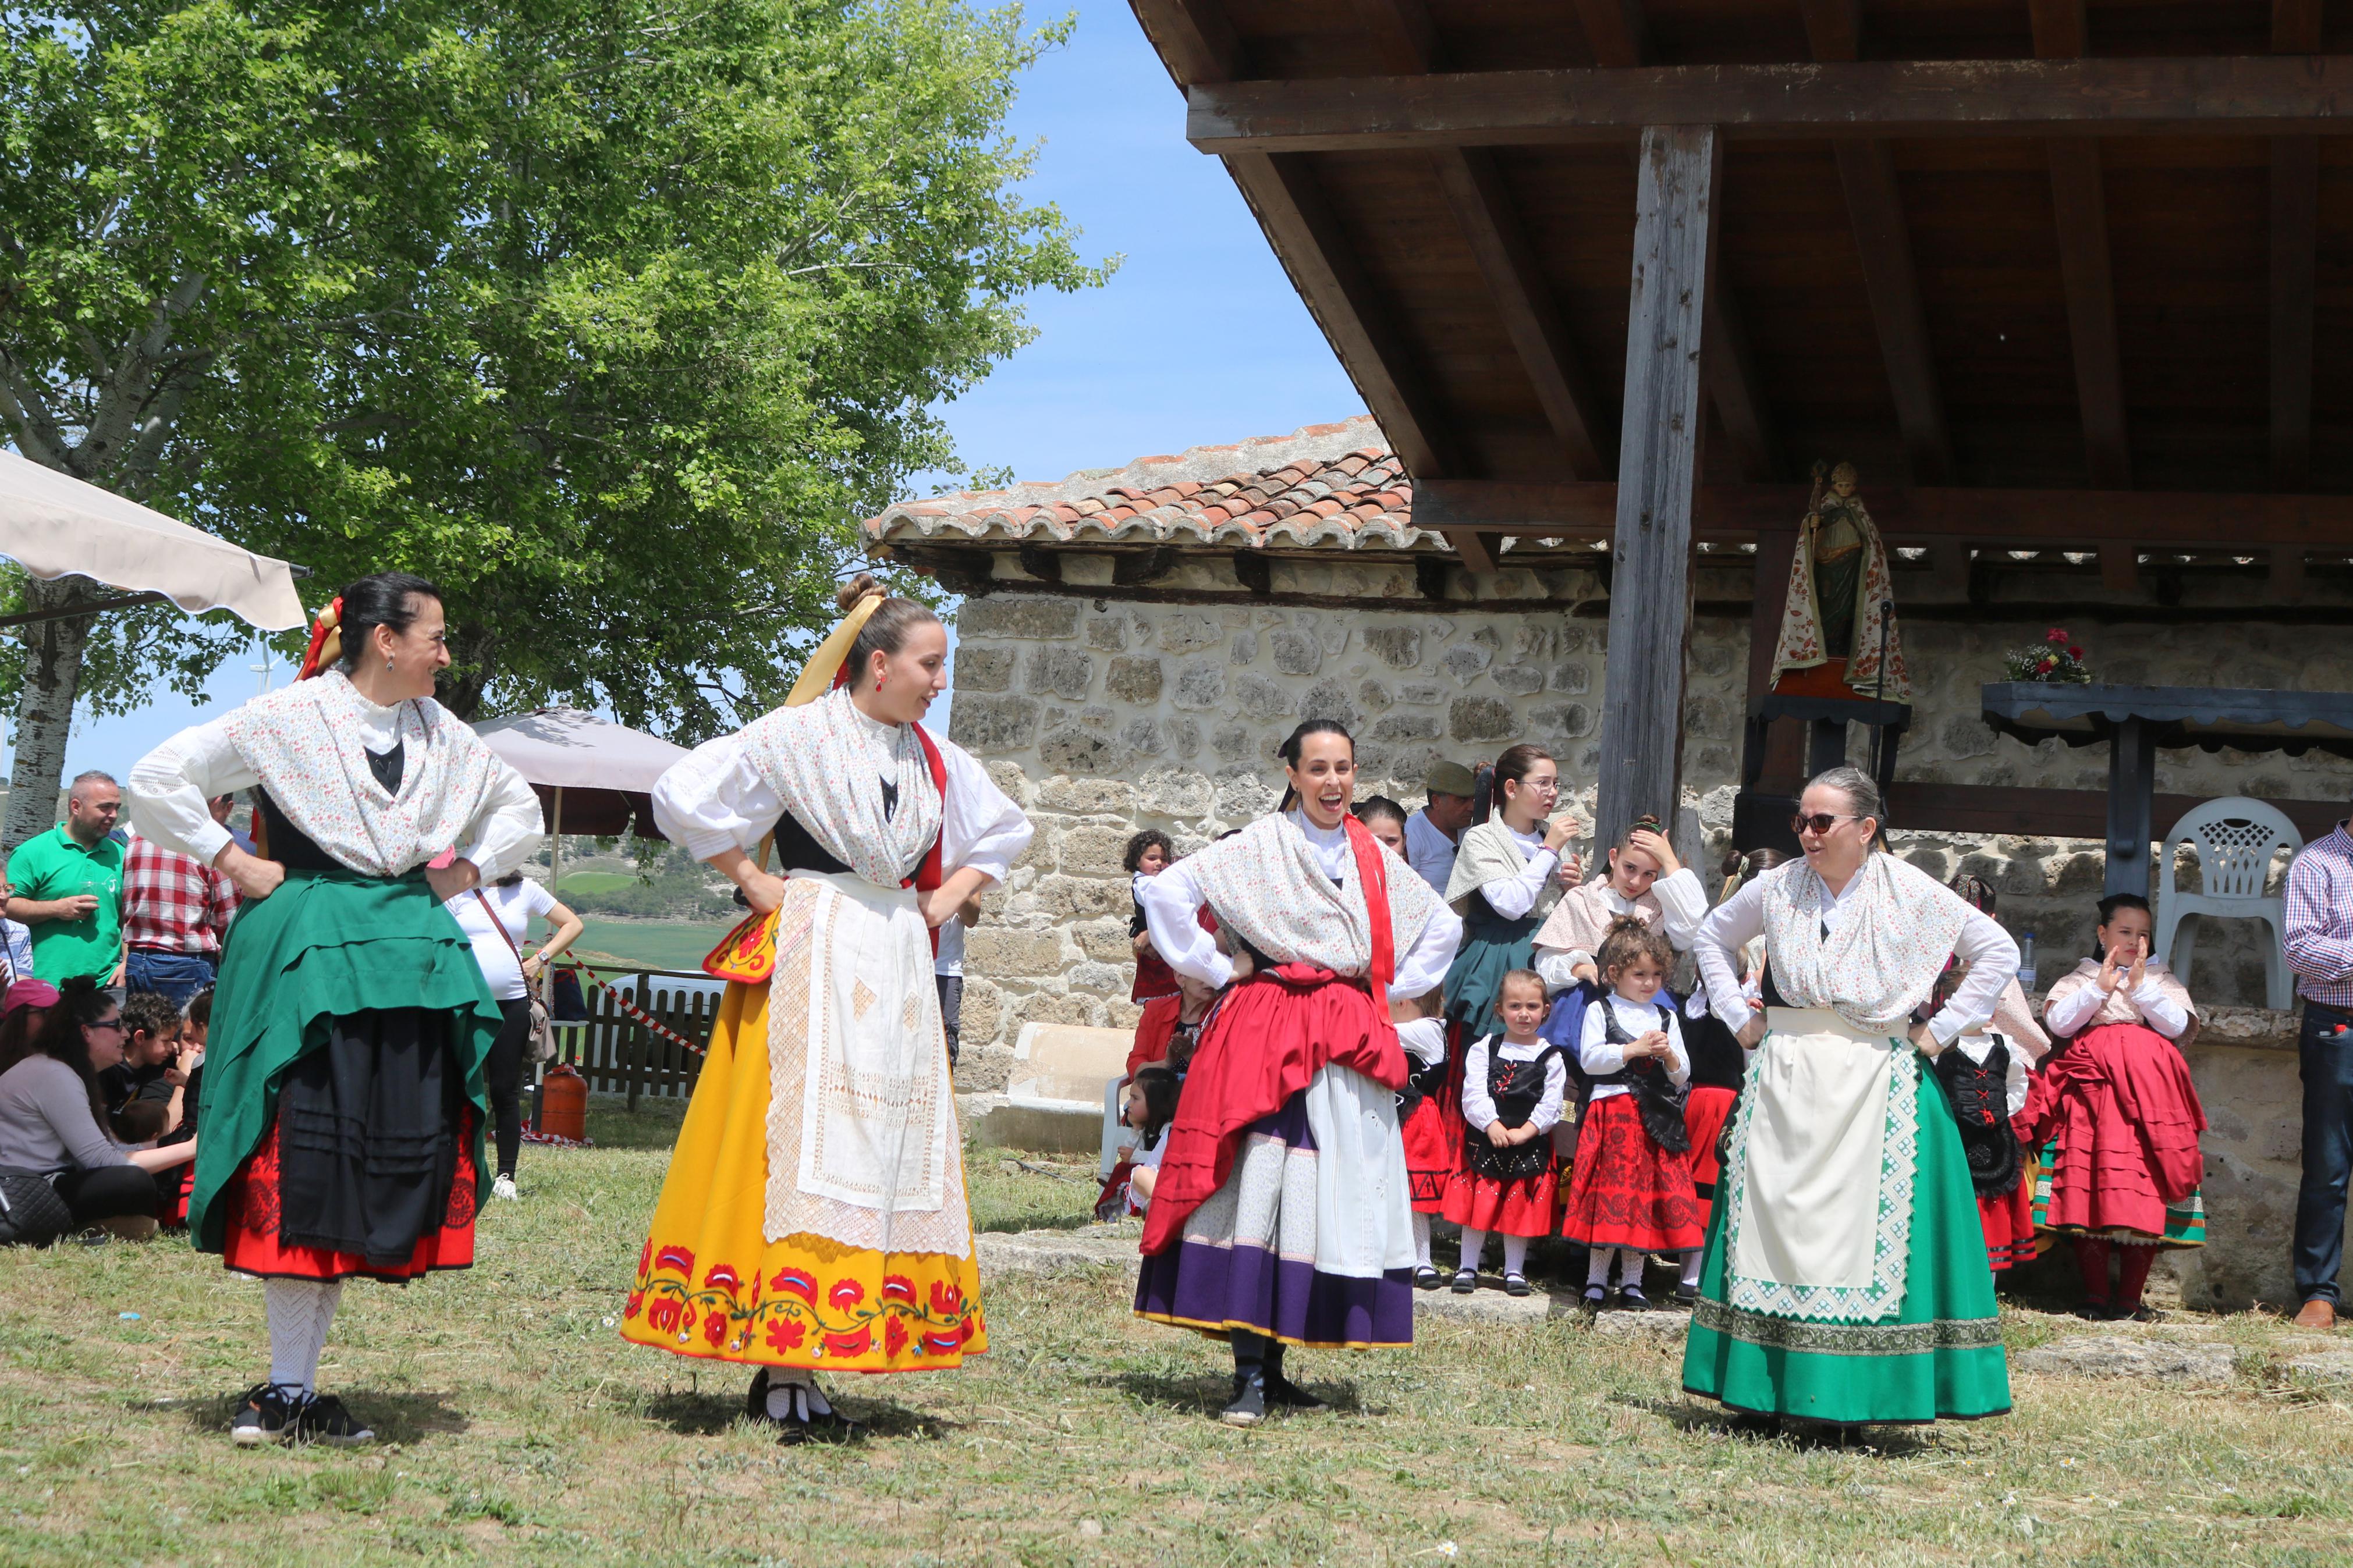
2050	272
2053	274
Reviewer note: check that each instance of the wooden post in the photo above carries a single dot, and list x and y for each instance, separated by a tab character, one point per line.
1658	452
2132	785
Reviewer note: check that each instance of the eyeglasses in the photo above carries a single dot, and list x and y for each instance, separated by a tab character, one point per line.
113	1024
1820	822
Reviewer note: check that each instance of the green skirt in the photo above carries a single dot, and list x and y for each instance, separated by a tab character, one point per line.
1940	1357
1492	948
325	945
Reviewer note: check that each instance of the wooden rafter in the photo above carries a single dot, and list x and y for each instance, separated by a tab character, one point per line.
2295	244
1613	30
2079	209
1401	30
2214	96
1882	242
1193	36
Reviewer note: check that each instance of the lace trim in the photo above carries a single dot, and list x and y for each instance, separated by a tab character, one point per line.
1898	1161
1847	1338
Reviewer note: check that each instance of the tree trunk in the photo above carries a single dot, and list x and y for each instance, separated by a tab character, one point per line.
45	708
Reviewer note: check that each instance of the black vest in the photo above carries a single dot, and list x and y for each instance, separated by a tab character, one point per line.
1517	1089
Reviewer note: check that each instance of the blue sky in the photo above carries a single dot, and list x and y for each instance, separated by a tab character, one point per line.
1198	338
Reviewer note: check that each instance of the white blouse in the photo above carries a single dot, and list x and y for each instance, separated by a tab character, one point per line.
2157	1010
1511	896
1991	955
713	800
1599	1055
170	790
1424	1039
1479	1106
1172	903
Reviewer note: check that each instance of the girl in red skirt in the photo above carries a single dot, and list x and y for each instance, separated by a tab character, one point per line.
1631	1192
1513	1092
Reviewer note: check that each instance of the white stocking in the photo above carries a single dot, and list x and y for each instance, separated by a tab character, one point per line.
1421	1240
1597	1267
301	1313
1475	1242
1515	1254
794	1396
1692	1260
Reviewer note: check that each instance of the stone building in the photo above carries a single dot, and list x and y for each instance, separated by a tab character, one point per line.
1133	644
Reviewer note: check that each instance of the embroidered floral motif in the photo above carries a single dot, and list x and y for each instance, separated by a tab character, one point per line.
798	1314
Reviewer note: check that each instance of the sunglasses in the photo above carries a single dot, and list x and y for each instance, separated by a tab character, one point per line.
1820	822
113	1024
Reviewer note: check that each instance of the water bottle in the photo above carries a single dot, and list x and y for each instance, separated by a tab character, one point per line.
2026	961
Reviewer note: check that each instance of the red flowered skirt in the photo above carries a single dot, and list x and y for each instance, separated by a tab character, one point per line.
251	1245
1705	1110
1627	1191
1525	1205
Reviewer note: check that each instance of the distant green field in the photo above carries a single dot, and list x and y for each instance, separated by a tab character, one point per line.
657	944
585	882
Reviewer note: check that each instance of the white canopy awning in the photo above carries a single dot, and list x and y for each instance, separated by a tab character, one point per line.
54	525
567	749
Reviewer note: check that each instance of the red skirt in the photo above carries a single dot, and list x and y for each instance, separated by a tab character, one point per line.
1706	1107
251	1245
1627	1191
2008	1222
1526	1206
1433	1135
1151	1031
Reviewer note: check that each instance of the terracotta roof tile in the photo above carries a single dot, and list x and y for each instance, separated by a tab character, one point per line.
1326	485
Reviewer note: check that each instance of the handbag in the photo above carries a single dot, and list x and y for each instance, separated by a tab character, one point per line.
539	1045
32	1213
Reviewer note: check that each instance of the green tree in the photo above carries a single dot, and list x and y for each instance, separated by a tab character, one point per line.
612	318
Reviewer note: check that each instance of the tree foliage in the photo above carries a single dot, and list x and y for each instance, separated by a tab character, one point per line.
612	318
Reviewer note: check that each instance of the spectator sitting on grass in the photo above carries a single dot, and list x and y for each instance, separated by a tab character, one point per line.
22	1011
52	1122
150	1070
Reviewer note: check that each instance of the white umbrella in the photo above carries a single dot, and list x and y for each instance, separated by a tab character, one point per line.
54	525
608	768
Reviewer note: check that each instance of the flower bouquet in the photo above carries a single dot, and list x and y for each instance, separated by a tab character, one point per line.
2053	659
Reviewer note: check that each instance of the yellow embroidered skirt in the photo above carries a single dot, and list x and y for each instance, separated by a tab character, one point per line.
711	1284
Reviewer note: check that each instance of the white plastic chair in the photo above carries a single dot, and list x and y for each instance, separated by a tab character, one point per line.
1116	1130
2235	840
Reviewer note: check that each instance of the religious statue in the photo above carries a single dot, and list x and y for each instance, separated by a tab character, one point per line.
1840	619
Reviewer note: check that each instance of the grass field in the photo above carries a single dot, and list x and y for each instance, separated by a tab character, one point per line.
657	944
519	1430
580	884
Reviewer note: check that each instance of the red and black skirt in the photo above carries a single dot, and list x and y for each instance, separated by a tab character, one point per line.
1627	1191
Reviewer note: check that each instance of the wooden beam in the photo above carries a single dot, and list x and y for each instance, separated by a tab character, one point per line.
2060	32
2156	95
2010	518
1884	241
2295	240
2295	26
1489	219
1613	30
2287	575
1195	40
1738	390
2120	568
1470	544
1658	456
1402	33
1833	28
1322	261
2059	813
2079	207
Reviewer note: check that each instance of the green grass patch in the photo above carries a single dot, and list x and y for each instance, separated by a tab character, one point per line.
581	884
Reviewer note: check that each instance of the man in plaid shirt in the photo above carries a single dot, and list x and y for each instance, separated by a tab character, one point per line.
2318	940
176	912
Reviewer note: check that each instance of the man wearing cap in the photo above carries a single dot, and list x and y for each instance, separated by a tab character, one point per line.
1432	833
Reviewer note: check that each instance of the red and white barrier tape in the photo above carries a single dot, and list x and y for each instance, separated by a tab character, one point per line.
653	1023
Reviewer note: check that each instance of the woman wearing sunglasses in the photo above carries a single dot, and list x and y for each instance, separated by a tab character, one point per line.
1845	1277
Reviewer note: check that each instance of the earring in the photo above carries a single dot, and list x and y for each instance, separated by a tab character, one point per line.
879	680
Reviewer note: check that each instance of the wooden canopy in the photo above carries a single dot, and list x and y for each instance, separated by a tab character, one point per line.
2050	272
2049	253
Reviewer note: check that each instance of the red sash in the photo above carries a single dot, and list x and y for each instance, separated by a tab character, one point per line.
1269	1037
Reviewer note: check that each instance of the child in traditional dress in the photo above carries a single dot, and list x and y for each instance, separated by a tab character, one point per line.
1631	1191
1148	854
1150	1106
1646	881
1421	1030
1512	1092
2124	1167
1985	1078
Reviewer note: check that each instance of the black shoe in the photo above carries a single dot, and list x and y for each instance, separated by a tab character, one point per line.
2093	1312
1687	1295
1596	1297
1428	1279
1631	1299
805	1422
1465	1281
1248	1406
1281	1392
322	1418
265	1415
1515	1285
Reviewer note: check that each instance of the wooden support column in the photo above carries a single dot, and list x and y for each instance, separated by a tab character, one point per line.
2295	239
2132	785
1658	451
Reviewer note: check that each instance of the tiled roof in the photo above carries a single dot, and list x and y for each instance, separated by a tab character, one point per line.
1334	485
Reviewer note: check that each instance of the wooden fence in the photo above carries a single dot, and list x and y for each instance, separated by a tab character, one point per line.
617	1055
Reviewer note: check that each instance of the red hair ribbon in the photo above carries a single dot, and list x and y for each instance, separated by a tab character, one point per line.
326	642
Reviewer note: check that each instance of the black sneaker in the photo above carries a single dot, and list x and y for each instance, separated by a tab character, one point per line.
1515	1285
1428	1279
1248	1406
1465	1281
322	1418
265	1415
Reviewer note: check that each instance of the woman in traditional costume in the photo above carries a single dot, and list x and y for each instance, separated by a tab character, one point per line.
1280	1217
813	1216
1509	872
343	1102
1845	1277
2123	1155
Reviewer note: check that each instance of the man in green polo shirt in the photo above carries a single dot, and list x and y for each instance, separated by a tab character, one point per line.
67	886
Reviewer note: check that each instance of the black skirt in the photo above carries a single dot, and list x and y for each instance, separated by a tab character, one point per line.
369	1126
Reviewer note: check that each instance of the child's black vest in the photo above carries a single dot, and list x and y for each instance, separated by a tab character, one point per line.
1981	1099
1517	1089
1656	1097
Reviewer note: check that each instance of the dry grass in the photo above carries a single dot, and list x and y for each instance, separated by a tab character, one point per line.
520	1431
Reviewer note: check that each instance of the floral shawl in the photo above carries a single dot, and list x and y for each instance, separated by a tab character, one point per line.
823	759
1895	931
1267	884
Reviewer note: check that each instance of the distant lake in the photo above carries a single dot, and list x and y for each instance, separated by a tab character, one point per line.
655	945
